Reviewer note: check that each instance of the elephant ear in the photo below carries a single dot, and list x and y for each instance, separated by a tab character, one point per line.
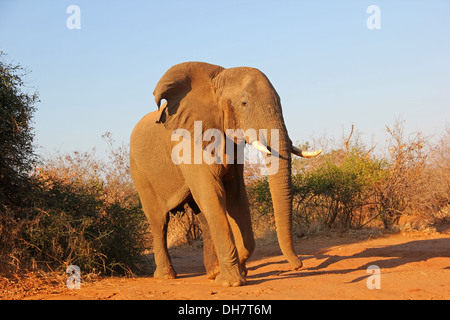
190	96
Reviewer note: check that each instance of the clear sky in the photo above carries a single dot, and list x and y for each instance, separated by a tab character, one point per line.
328	67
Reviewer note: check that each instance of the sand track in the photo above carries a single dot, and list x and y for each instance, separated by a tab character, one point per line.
412	266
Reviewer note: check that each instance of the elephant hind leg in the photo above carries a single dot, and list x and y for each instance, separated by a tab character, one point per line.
159	220
238	214
210	259
240	223
164	268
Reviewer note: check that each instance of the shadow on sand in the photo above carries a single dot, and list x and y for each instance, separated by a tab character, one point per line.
386	257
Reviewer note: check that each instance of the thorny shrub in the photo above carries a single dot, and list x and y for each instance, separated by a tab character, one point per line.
351	186
81	211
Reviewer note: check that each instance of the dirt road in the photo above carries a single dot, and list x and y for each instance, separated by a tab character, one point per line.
412	266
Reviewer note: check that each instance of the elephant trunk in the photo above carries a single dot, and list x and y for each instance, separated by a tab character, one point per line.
280	183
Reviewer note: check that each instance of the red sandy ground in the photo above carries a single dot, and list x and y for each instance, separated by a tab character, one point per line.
413	266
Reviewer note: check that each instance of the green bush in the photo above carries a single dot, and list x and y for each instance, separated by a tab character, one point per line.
259	196
337	192
17	107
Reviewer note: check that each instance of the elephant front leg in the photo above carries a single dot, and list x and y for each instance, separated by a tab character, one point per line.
230	271
211	200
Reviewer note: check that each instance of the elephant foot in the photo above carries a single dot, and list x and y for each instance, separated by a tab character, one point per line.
165	273
228	279
213	273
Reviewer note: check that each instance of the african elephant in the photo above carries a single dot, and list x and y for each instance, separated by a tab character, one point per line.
234	98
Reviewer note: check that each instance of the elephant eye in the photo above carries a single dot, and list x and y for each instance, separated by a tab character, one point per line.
244	103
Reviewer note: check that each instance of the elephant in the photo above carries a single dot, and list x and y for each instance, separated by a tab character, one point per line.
222	99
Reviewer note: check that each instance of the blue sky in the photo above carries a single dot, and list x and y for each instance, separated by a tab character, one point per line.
330	70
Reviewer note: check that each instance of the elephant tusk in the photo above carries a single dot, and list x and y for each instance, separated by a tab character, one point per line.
258	145
305	154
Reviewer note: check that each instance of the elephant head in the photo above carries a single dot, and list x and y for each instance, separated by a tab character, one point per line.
235	98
